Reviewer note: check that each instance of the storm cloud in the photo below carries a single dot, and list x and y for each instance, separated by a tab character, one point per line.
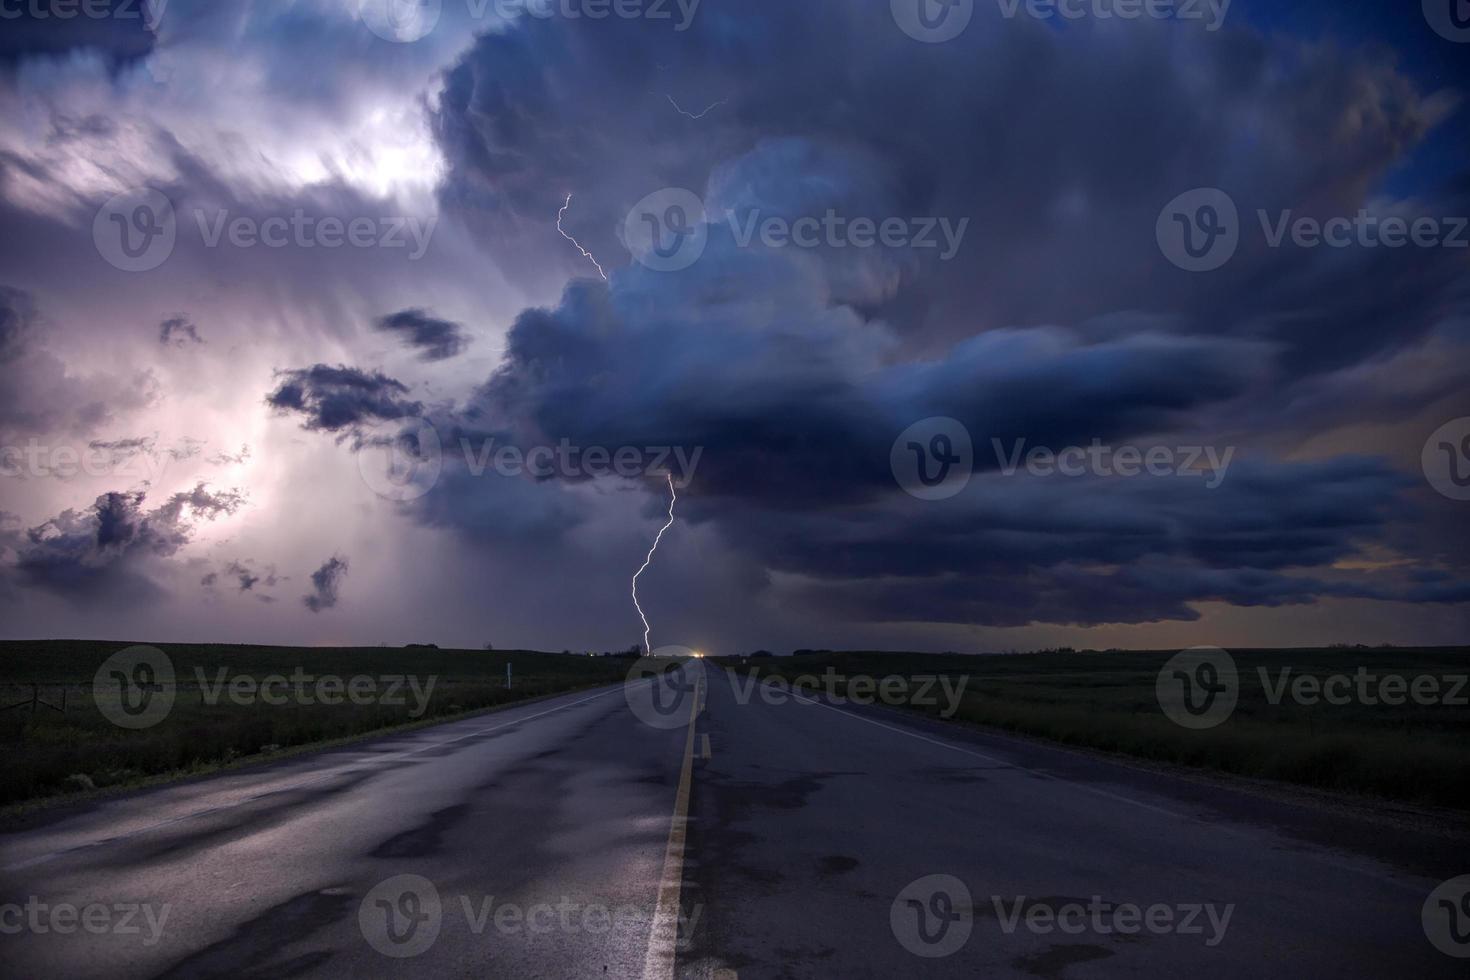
1039	162
326	583
435	339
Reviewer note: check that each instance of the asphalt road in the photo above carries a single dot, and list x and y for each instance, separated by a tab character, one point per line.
601	834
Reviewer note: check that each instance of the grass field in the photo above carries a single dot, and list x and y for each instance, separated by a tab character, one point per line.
50	752
1416	753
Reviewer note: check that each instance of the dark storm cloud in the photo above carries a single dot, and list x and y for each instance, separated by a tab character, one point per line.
248	577
435	339
104	551
1057	321
178	332
794	401
326	582
121	31
1017	550
339	399
119	451
1024	140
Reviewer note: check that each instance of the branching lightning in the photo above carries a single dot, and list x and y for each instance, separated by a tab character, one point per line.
673	499
574	241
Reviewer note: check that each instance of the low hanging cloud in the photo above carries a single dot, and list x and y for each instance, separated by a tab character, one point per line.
326	583
435	339
340	399
111	548
178	332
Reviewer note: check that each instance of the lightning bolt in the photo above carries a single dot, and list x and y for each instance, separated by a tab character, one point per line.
683	112
673	499
573	240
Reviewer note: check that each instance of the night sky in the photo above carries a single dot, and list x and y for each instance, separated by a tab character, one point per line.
208	442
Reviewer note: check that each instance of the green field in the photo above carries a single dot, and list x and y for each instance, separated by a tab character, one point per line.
1415	753
50	752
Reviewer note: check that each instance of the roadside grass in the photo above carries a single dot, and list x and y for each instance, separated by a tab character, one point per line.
50	753
1411	753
